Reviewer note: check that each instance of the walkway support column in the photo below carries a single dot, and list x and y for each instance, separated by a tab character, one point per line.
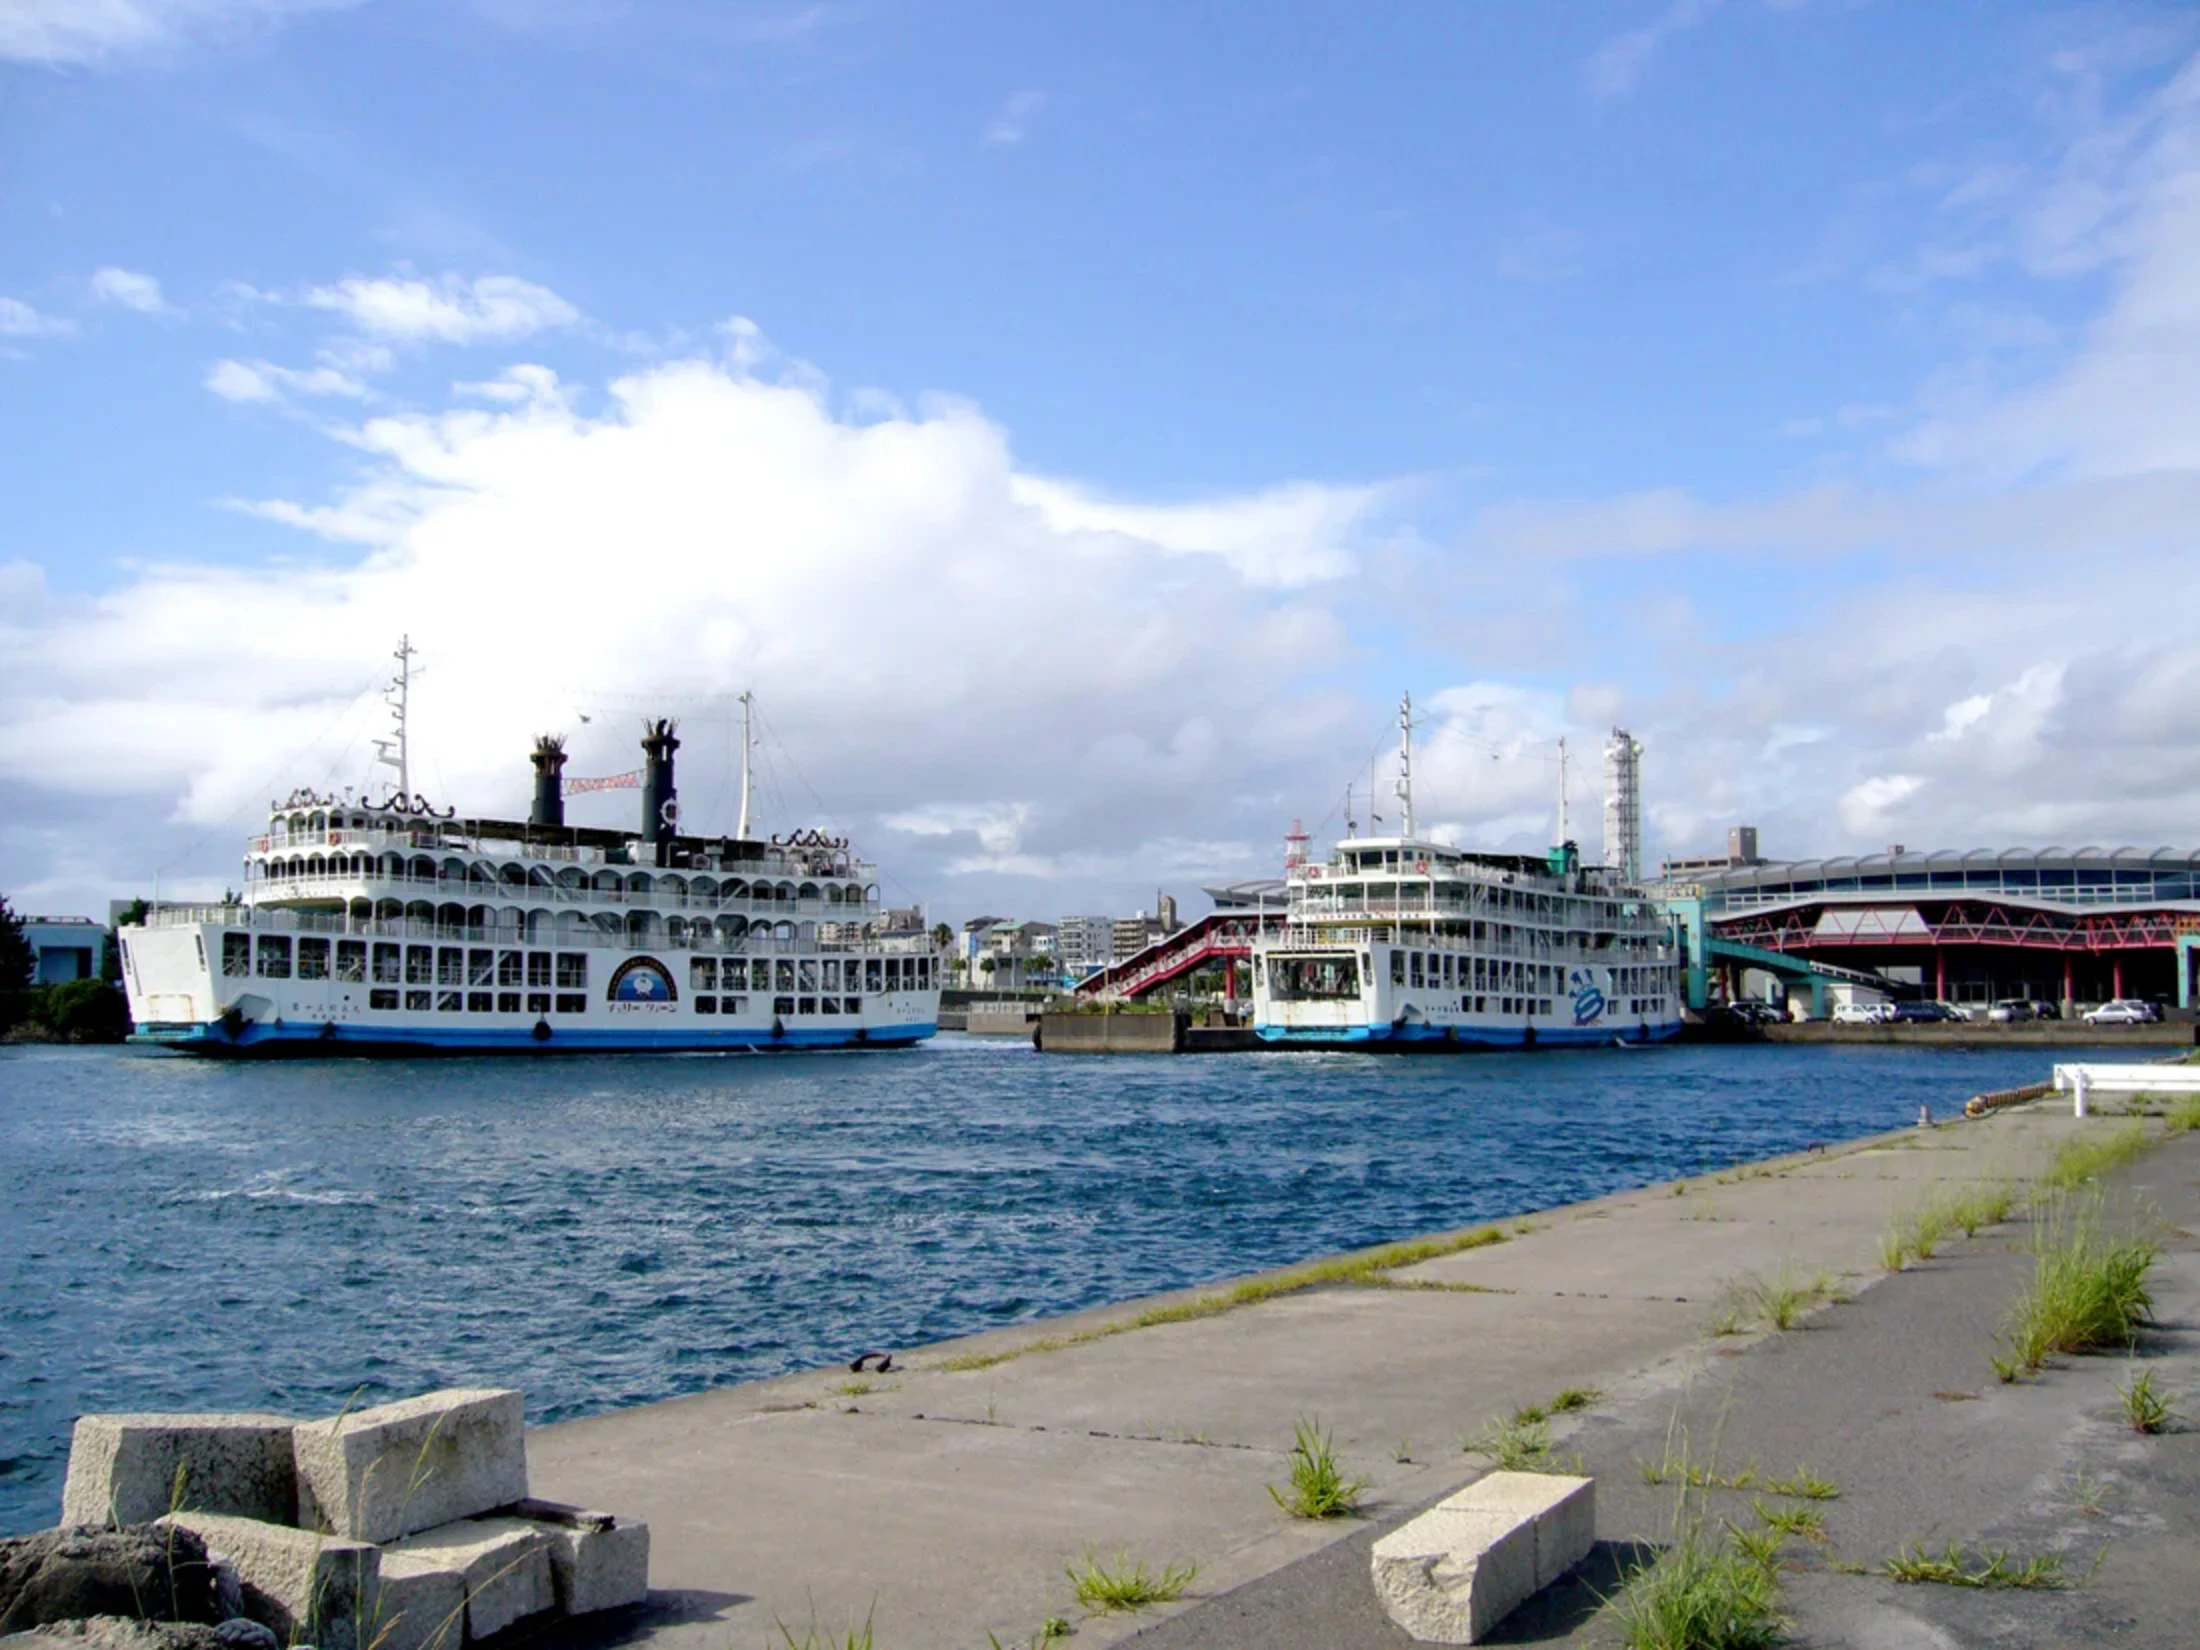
2116	976
2070	986
1940	975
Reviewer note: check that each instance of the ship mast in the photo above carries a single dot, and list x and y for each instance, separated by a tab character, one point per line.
1405	764
393	752
1562	836
748	743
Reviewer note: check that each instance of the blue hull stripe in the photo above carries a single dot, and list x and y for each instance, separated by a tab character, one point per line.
312	1037
1420	1035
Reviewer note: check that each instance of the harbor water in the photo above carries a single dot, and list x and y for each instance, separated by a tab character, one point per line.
603	1231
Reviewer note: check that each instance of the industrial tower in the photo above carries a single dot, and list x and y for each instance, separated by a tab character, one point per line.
1623	804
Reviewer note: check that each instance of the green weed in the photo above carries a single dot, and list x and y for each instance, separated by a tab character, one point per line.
1574	1398
2184	1116
1127	1585
1786	1522
1952	1568
1700	1594
1319	1488
2147	1410
855	1638
1803	1485
2081	1161
2088	1289
1513	1444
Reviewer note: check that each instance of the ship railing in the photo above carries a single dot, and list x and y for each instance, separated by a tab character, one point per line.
444	838
273	920
467	891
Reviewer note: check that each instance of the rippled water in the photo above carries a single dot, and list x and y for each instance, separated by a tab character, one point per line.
603	1231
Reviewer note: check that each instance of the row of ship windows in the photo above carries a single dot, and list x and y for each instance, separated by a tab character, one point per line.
1573	911
1531	1007
1443	970
274	956
576	1002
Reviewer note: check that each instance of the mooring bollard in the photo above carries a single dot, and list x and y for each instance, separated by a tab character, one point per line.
2077	1092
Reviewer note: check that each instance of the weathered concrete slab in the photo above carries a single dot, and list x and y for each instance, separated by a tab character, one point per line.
419	1603
383	1473
598	1567
310	1588
503	1563
1452	1574
128	1469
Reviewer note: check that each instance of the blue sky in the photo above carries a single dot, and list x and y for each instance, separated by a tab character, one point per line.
1079	422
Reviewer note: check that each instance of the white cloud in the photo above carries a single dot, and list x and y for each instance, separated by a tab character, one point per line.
130	290
19	320
1617	66
1013	124
91	31
1872	807
888	587
448	310
264	381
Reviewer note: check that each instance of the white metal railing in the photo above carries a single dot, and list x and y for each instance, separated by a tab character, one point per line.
776	863
467	891
1717	901
279	921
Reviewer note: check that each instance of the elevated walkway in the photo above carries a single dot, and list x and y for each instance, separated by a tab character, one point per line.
1220	936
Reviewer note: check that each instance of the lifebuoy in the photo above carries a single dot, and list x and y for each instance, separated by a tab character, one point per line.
1420	867
1314	873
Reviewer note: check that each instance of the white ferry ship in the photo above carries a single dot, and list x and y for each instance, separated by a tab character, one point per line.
394	927
1402	942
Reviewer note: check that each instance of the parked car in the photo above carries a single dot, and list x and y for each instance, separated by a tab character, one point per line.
1956	1011
2046	1011
1759	1014
2124	1011
1861	1014
1923	1014
2010	1010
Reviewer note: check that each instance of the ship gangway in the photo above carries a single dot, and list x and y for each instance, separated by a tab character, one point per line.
1220	936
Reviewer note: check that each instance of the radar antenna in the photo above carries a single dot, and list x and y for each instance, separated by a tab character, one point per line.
1405	765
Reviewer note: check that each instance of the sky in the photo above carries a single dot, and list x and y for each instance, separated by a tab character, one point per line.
1079	424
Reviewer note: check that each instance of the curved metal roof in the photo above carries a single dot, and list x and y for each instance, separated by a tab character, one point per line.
2091	856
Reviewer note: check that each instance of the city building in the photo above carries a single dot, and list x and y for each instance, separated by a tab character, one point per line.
2066	926
65	948
1082	944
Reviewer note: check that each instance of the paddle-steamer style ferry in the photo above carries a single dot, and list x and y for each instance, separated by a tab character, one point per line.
1405	942
393	927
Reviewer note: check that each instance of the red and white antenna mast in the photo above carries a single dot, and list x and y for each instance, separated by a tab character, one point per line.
1294	847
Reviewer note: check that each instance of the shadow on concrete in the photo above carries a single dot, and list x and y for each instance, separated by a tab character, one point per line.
665	1607
1564	1608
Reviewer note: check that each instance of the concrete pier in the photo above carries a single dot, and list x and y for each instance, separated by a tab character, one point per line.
943	1500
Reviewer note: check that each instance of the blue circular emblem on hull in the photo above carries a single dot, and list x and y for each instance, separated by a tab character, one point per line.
642	982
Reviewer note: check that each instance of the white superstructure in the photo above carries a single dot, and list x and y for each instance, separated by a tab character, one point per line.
1402	941
392	926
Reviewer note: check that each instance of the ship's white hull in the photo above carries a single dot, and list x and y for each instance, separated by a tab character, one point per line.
1556	1006
211	988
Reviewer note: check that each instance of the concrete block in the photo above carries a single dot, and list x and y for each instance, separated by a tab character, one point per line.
599	1568
383	1473
309	1588
504	1564
419	1603
1452	1574
122	1468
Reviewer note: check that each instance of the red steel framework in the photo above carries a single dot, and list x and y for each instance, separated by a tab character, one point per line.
1964	922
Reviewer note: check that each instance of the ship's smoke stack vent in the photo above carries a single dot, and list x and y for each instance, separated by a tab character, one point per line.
660	802
549	760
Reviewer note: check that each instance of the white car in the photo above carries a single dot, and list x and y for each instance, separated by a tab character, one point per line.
2124	1011
1862	1014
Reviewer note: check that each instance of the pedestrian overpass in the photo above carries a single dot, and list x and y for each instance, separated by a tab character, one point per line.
1702	951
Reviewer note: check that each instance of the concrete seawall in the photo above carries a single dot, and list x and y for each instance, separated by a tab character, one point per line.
1111	1034
943	1499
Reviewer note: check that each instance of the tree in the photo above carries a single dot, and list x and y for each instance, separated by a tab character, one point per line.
942	935
17	964
81	1011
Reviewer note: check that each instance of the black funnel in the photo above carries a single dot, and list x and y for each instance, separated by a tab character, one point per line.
549	762
660	802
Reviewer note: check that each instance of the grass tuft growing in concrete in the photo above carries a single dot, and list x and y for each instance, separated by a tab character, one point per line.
2081	1161
1127	1585
1319	1488
1513	1443
2088	1288
1369	1268
2146	1409
1953	1568
2184	1116
1702	1593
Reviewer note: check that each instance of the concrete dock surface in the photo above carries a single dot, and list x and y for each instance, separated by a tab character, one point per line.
942	1502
